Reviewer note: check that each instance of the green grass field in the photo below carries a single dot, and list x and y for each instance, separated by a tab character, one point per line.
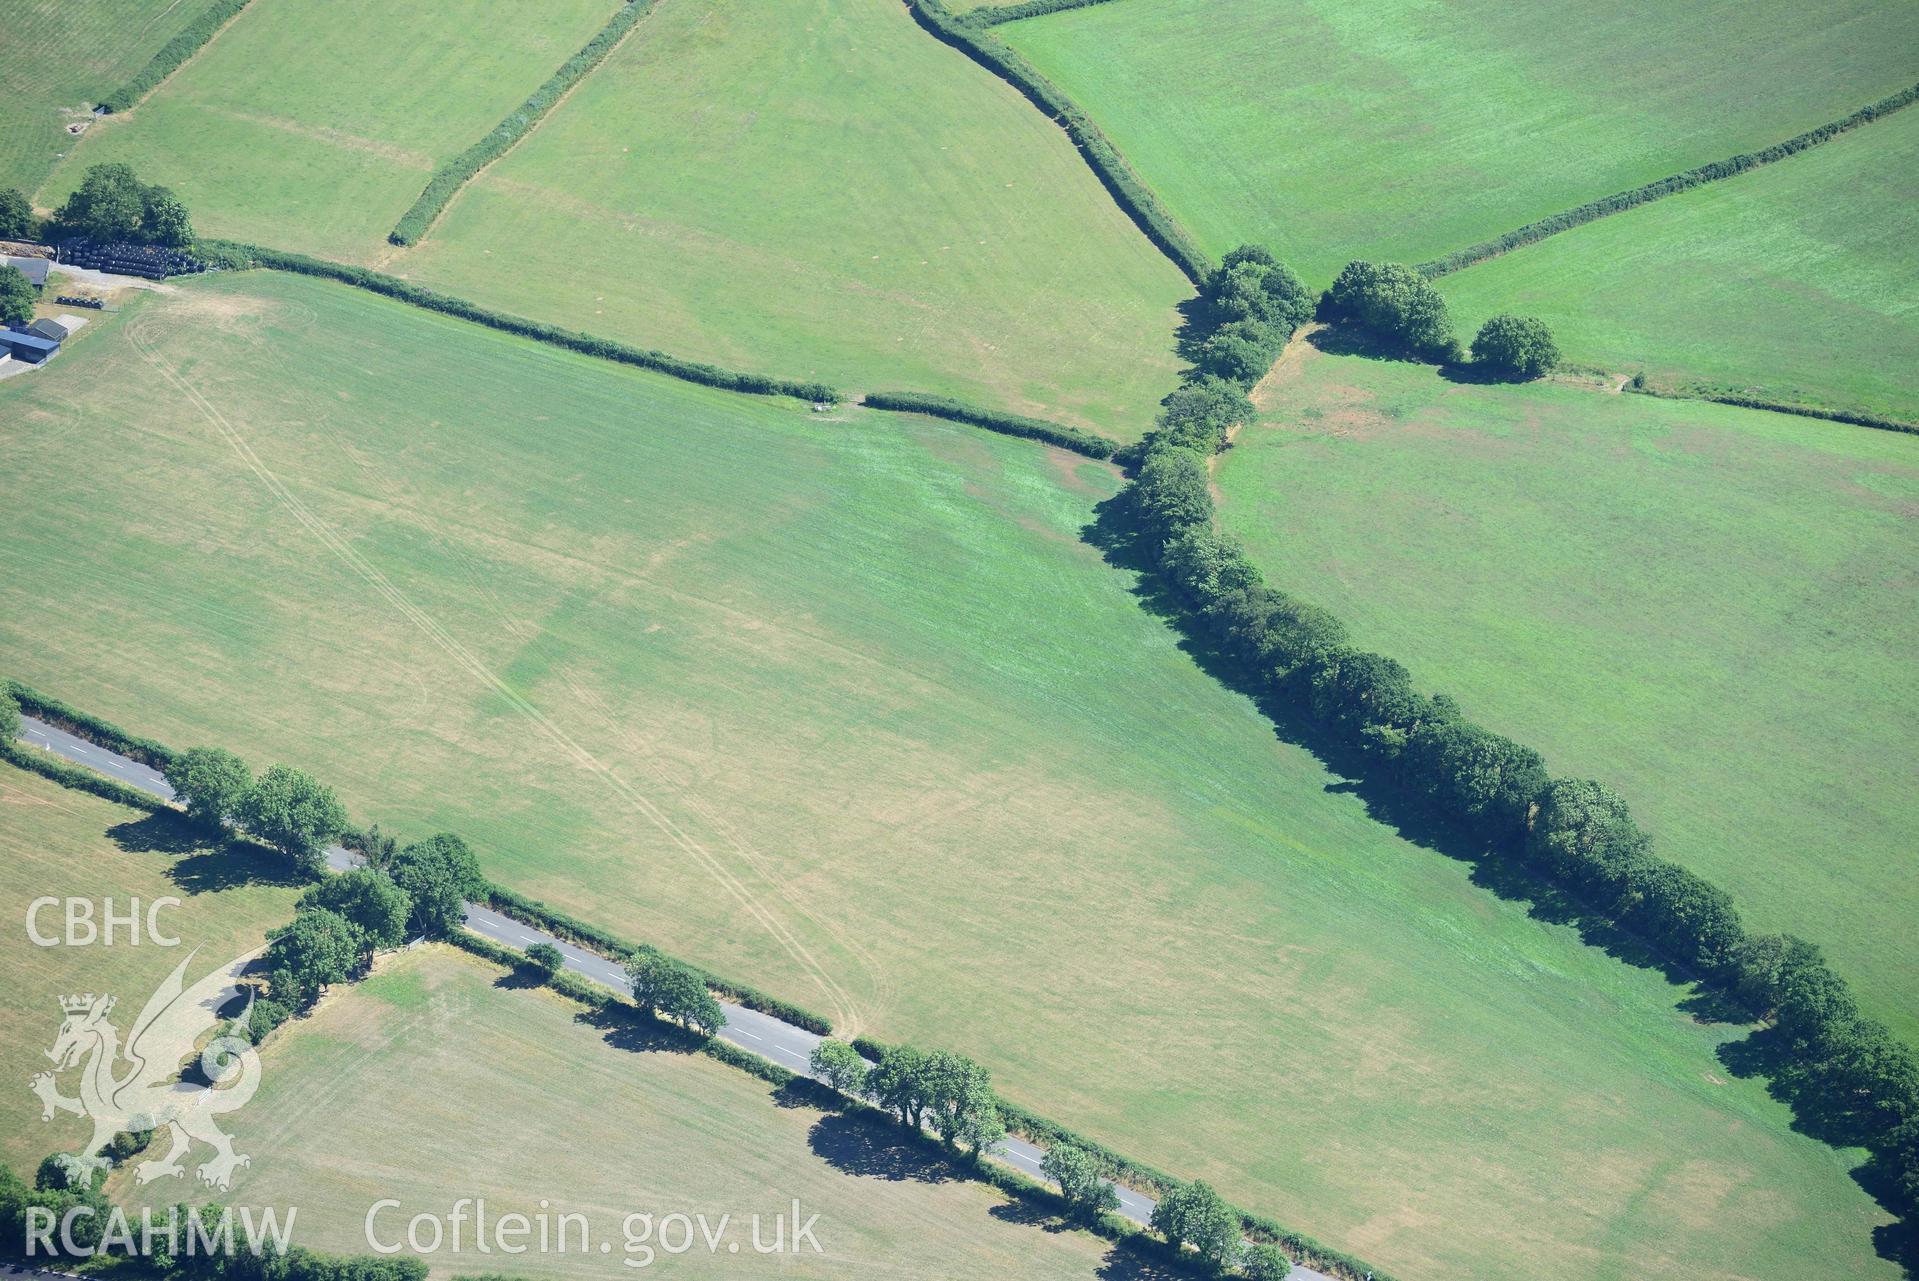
313	125
1792	282
1710	608
1398	130
817	188
396	1088
844	705
62	56
63	843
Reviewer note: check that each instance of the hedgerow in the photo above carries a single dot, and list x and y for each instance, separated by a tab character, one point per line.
173	53
571	928
1730	167
88	726
1857	418
994	14
78	777
912	402
238	254
1132	195
451	176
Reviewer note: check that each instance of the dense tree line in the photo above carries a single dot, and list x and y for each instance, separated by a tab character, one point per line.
1392	302
285	808
1618	202
234	255
451	176
1849	1078
1132	195
172	54
111	205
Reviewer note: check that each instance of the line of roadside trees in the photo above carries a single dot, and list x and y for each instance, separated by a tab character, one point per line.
1850	1080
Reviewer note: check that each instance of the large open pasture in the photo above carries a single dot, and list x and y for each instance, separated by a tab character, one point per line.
1710	608
58	59
313	124
1793	282
61	843
399	1087
1400	130
819	189
845	705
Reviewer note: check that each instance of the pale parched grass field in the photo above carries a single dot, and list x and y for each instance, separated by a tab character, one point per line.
430	1082
61	843
1400	130
845	705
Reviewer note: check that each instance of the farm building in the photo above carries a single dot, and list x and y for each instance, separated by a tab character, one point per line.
58	328
34	269
31	348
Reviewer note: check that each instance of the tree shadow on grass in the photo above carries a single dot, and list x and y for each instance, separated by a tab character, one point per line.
1029	1213
1121	542
1338	338
1116	534
868	1147
1129	1263
202	864
625	1027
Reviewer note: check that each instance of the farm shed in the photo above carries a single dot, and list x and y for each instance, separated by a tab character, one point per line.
31	348
35	269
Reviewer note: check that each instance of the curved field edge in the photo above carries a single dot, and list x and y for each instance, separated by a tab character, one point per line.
916	662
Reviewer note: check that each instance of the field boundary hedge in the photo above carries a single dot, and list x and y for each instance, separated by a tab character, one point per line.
1619	202
457	172
88	726
912	402
994	15
1857	418
79	777
237	254
1105	160
174	54
573	930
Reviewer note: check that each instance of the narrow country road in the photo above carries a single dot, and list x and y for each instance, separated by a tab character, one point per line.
789	1046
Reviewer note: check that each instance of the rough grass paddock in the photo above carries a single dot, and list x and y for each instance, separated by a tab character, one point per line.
58	842
58	59
1396	130
1792	283
844	703
397	1088
1710	608
313	124
819	188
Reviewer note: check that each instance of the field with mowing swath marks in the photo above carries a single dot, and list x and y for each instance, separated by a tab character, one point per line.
59	58
819	189
1393	129
312	126
839	703
63	843
1794	282
392	1087
1710	608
